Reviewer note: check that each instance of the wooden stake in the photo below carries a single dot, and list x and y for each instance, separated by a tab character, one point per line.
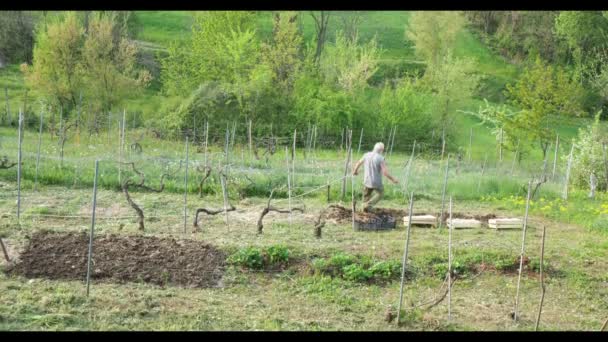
445	185
521	255
4	251
352	187
404	261
393	141
92	226
225	194
542	279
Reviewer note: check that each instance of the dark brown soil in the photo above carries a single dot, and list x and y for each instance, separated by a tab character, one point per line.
160	261
342	214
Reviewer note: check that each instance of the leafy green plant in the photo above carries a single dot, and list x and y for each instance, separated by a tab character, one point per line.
277	254
249	257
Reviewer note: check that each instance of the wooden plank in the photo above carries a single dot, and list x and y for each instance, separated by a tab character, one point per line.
421	220
464	223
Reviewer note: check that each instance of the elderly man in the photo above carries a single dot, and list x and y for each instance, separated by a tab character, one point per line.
374	168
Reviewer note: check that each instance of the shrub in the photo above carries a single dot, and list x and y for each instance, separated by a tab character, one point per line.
249	257
277	255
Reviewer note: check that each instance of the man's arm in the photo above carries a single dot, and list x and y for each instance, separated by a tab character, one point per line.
357	166
388	175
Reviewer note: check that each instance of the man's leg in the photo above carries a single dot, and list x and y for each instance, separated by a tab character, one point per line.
377	197
367	194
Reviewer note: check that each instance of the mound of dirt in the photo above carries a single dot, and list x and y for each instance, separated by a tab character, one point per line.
341	214
160	261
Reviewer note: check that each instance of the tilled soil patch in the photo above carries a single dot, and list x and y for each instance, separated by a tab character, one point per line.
160	261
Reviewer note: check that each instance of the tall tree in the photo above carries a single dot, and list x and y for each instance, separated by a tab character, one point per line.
57	60
543	92
17	35
110	62
283	52
434	33
321	23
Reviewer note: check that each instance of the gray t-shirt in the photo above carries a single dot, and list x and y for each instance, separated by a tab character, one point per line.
372	162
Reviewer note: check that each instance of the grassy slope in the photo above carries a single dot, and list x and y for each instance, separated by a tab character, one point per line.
158	28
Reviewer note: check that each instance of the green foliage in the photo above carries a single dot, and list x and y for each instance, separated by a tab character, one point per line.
434	33
543	92
589	156
257	259
409	107
249	257
453	82
582	31
17	36
357	269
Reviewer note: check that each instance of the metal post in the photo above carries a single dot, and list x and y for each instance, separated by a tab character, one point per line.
470	144
404	261
250	143
288	181
360	139
225	194
542	279
445	184
500	147
352	187
206	140
521	256
8	108
38	153
19	166
186	187
565	194
450	228
555	157
515	158
293	159
92	226
483	168
393	140
409	168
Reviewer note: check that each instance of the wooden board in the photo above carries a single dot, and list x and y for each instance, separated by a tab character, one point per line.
464	223
421	220
506	223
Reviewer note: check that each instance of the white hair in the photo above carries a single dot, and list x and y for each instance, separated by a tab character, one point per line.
379	147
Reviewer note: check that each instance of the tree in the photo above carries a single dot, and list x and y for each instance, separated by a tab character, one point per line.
57	63
17	35
582	31
590	155
283	53
350	23
407	106
542	92
321	24
349	65
434	33
110	62
453	82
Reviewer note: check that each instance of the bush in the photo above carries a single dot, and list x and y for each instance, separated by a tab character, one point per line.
249	257
588	156
357	269
256	258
